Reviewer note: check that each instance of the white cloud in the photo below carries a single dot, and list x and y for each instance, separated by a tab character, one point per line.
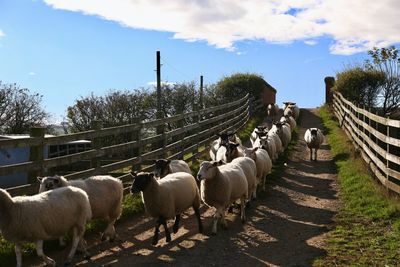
32	73
353	25
1	33
310	42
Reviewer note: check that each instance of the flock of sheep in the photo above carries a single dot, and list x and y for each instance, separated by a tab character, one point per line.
233	174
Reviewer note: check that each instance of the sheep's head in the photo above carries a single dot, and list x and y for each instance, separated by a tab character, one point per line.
232	136
49	183
277	127
231	151
140	181
161	167
314	134
208	169
224	138
264	142
250	152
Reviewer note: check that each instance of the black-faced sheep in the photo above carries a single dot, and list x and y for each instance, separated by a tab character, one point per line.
44	216
167	198
223	139
314	138
222	185
105	195
164	167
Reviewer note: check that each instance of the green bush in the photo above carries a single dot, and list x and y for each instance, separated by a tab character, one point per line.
238	85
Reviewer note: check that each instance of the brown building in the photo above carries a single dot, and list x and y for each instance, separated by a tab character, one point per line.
268	94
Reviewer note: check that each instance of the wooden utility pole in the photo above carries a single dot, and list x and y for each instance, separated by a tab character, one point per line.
201	93
159	112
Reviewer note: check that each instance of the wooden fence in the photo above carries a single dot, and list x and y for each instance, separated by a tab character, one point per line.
377	138
191	137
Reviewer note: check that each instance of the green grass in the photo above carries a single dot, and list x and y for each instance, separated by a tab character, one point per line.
367	231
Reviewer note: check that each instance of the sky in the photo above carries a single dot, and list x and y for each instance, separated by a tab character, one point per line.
67	49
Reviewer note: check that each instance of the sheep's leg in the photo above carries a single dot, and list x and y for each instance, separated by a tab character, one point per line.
39	251
156	230
109	233
242	211
215	222
315	155
75	241
176	224
197	212
18	254
167	234
311	154
62	242
223	221
82	248
263	179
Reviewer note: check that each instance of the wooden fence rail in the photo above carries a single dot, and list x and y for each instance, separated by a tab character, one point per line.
196	131
377	138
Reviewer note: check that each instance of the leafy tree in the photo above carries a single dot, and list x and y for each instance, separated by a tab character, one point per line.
360	85
387	60
113	109
238	85
19	109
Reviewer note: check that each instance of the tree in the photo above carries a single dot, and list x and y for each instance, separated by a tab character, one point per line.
238	85
19	109
113	109
360	85
387	61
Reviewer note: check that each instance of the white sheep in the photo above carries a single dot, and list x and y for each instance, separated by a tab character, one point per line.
223	139
44	216
272	110
263	163
105	195
259	131
250	171
267	143
167	198
314	138
164	167
283	131
277	142
222	185
290	120
291	109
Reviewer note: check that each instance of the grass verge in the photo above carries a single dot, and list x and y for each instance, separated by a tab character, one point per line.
368	224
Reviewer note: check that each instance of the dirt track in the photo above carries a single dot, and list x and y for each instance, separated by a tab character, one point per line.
285	227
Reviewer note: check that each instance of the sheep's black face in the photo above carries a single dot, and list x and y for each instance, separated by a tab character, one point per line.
314	134
161	167
140	181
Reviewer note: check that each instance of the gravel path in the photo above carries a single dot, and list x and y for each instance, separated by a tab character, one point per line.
285	227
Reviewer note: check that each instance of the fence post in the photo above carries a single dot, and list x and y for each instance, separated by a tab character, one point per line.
329	83
97	125
387	150
137	152
36	153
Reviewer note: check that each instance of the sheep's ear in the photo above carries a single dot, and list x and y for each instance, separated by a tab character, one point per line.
255	149
236	145
40	179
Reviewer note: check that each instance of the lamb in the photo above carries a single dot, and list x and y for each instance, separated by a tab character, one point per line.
272	110
259	131
291	109
164	167
105	195
263	163
314	138
221	185
290	120
44	216
283	131
167	198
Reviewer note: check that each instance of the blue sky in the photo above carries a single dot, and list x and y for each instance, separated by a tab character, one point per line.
68	49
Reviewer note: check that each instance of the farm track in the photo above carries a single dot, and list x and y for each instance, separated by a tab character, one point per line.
285	227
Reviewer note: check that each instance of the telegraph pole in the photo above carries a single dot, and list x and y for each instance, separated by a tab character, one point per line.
159	112
201	93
